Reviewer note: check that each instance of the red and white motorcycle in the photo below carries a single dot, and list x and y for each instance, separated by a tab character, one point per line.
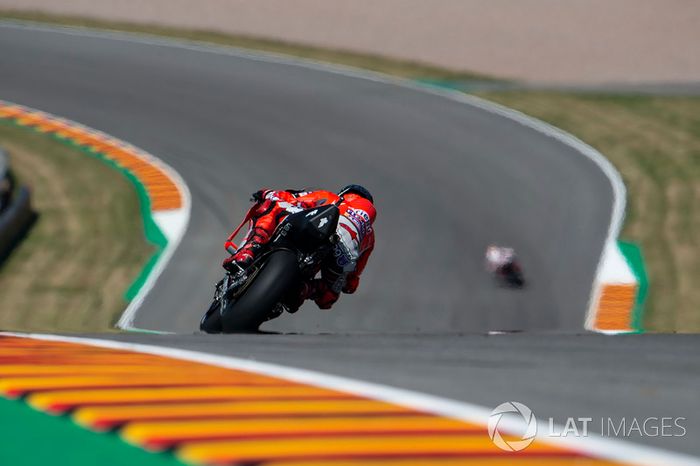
504	265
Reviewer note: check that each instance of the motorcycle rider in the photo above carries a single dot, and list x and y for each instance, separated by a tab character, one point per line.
499	259
340	273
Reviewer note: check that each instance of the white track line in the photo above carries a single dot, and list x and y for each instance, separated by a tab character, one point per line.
126	321
618	187
598	447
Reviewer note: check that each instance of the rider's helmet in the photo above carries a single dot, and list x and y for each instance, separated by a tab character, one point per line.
356	189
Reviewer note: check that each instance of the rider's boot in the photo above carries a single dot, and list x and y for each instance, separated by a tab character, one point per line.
246	253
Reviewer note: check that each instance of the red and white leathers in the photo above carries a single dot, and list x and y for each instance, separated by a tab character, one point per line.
339	273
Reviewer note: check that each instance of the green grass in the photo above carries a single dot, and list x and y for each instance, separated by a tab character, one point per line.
86	247
655	143
402	68
32	438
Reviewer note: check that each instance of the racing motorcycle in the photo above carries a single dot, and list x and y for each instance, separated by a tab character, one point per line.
246	298
504	265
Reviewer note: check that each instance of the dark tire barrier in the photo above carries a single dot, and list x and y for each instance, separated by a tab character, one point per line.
16	214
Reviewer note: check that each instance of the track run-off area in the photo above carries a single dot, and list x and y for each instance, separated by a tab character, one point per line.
449	179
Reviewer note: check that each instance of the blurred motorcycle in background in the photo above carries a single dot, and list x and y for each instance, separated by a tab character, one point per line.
504	265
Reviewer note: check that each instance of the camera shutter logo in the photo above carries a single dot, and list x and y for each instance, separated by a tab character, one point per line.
523	414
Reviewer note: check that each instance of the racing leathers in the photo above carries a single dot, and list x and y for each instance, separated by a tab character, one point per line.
340	273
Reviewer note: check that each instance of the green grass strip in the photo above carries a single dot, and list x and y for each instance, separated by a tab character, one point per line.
151	230
635	259
32	438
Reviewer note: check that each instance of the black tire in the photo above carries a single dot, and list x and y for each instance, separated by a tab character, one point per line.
211	321
278	275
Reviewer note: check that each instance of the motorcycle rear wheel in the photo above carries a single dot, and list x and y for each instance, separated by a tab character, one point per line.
277	276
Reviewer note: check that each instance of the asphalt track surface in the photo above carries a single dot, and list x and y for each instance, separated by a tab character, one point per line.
448	179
